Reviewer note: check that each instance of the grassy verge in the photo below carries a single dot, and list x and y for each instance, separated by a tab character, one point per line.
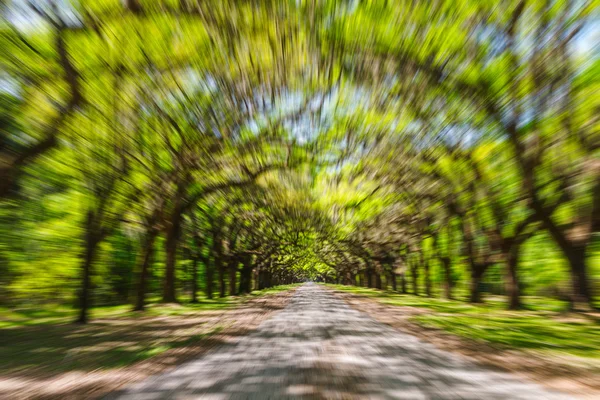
543	326
275	289
61	314
45	341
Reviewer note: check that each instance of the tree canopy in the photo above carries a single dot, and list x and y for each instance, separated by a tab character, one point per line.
159	147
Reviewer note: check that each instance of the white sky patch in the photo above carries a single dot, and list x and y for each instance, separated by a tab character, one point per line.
587	44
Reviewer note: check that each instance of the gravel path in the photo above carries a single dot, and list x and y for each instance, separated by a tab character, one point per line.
320	348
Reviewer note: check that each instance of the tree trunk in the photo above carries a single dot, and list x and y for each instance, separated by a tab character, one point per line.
147	251
427	278
581	297
233	267
169	278
403	282
210	272
260	279
415	279
446	264
268	279
393	280
221	278
377	280
263	279
575	252
476	275
445	260
84	299
256	277
92	238
217	250
194	297
171	251
511	257
246	279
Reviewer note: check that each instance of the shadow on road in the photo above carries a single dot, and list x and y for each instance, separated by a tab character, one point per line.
318	347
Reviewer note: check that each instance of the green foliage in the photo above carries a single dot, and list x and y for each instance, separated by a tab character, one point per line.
162	147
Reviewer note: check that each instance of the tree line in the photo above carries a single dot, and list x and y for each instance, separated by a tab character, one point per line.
495	142
151	148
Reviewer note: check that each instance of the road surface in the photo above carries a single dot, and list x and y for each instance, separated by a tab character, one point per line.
320	348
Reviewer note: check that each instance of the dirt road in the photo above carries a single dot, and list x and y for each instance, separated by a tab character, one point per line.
320	348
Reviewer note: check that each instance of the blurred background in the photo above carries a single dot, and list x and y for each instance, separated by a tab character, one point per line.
173	155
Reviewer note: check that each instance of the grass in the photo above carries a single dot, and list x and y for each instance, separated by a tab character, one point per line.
45	341
543	326
115	343
275	289
60	314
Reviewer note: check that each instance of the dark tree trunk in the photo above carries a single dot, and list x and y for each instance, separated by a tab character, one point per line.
171	243
403	282
477	271
377	280
393	281
11	173
581	297
92	238
217	251
242	285
574	250
169	278
446	264
415	279
262	279
256	274
216	264
209	273
84	298
367	279
427	278
476	268
246	279
270	280
194	297
512	278
221	278
146	258
266	279
233	267
345	278
445	260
